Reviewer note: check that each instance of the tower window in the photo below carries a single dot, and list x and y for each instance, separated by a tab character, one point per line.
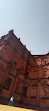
45	62
45	93
7	83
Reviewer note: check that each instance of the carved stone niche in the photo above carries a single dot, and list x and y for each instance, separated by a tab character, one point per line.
19	85
32	91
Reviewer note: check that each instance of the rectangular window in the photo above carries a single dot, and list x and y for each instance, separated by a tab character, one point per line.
45	62
25	91
7	83
45	93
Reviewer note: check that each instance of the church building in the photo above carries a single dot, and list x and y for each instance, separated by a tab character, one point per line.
22	75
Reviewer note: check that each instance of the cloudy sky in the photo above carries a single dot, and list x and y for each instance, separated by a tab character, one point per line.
30	21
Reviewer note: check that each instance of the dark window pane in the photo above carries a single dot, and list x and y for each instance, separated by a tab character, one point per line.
45	62
7	83
44	92
25	91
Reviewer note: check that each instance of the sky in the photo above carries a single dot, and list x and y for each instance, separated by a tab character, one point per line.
30	21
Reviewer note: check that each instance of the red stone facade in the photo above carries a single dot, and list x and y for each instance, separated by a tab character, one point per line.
22	75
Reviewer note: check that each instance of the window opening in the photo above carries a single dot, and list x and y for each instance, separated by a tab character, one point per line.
45	62
25	91
45	93
7	83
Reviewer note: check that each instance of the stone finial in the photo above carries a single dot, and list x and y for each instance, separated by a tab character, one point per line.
11	31
19	39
